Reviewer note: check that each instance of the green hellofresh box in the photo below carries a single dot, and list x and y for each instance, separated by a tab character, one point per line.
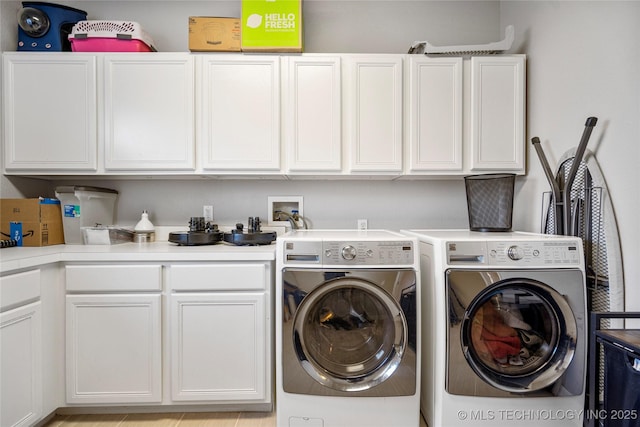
272	25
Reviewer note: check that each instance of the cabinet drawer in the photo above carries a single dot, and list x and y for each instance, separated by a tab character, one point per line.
92	278
216	277
19	288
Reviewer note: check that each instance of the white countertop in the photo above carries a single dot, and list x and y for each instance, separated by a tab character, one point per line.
25	257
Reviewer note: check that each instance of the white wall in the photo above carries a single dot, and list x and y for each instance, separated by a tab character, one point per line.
327	204
382	26
584	60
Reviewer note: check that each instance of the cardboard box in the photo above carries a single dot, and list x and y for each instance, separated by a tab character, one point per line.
40	220
211	34
272	25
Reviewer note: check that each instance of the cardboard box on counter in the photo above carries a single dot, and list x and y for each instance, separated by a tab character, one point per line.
272	25
40	220
212	34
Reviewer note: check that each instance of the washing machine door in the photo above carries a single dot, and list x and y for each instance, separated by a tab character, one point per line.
519	335
349	334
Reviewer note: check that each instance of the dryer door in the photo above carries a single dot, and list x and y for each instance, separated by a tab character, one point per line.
517	334
349	334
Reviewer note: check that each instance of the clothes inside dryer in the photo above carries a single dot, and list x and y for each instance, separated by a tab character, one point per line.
517	334
513	332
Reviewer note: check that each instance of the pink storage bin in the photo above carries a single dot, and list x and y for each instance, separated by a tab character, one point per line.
110	36
108	45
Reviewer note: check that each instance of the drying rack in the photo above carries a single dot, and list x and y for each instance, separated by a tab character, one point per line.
579	205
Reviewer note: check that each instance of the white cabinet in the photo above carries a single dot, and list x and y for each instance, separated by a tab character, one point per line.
59	106
238	123
113	334
373	113
218	347
434	114
216	334
221	332
20	349
312	113
50	112
343	115
497	113
465	115
149	112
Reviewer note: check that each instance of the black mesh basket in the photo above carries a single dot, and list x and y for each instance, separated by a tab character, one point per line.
490	201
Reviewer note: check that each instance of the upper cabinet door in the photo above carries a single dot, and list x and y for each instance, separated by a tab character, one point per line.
435	114
239	114
373	116
149	112
50	112
312	115
497	112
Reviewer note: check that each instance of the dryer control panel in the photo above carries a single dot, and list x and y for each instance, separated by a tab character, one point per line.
531	253
365	253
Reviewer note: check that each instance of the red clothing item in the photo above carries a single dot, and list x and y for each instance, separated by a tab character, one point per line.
500	347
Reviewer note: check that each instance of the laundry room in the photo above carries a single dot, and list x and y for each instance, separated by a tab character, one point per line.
568	61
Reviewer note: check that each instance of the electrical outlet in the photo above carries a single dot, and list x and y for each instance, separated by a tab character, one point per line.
362	224
207	213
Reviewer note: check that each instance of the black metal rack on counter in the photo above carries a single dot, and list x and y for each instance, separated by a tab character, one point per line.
203	232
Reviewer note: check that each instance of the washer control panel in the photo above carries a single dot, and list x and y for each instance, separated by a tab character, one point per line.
368	253
364	253
538	253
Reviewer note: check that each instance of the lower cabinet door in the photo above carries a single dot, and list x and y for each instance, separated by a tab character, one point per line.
21	366
114	348
219	347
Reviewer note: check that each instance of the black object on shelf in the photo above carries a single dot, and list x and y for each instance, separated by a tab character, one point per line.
620	406
8	243
200	233
253	237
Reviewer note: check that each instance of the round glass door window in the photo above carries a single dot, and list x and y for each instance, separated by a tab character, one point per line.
349	334
519	335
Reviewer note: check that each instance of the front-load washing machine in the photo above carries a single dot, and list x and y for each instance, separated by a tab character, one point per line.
504	331
347	329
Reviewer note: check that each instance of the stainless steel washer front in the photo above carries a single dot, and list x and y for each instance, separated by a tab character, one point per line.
349	331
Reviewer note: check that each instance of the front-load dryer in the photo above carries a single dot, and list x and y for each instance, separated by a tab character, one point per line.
347	329
504	330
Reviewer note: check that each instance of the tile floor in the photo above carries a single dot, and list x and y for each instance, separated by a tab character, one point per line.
201	419
191	419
